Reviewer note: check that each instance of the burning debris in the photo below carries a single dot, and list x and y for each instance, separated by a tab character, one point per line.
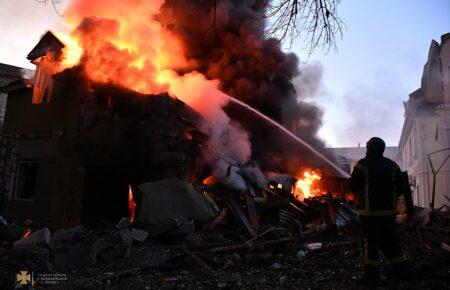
178	226
304	187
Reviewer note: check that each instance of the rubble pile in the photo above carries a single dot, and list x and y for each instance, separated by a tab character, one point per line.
226	237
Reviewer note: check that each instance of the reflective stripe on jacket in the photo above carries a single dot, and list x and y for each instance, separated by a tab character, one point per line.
377	183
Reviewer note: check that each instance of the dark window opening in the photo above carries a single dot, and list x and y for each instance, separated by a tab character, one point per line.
26	180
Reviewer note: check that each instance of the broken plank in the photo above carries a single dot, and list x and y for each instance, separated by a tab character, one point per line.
248	244
197	259
251	210
239	214
218	218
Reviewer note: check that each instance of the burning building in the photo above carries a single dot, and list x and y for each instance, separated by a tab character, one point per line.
73	152
143	91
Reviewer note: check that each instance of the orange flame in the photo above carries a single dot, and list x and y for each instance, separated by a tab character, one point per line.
131	204
121	42
26	233
304	187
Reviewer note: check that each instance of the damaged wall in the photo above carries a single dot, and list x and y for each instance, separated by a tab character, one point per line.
427	128
82	149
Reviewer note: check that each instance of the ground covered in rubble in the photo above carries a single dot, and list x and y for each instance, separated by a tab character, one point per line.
338	267
291	263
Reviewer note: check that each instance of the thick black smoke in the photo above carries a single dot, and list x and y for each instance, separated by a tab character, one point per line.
252	68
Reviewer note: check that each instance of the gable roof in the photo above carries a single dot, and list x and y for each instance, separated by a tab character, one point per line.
48	42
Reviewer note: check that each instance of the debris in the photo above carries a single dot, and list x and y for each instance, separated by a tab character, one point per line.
259	258
423	216
314	246
199	261
81	255
15	232
445	247
277	266
139	235
232	260
124	223
229	280
194	239
401	218
247	245
3	222
218	219
438	229
301	255
240	216
252	211
30	252
145	257
125	238
184	227
40	236
170	199
64	235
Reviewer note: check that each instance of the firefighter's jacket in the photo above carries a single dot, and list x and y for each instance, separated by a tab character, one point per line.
377	182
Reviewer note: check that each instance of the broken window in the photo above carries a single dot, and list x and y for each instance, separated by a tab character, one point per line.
26	179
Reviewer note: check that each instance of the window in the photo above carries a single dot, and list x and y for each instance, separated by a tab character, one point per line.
26	179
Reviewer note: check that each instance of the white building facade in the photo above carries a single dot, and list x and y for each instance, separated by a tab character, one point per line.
425	139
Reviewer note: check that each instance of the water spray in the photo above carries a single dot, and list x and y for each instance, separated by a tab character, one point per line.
290	134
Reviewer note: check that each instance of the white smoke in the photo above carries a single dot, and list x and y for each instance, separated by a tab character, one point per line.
309	83
27	74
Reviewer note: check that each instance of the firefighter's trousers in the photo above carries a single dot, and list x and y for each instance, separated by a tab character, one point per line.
380	235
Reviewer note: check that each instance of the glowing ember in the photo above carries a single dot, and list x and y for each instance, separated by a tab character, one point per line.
131	204
304	187
210	180
26	233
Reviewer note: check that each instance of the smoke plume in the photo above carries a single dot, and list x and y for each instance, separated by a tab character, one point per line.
253	68
123	44
202	57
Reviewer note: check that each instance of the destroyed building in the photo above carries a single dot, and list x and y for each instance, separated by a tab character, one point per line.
71	153
425	138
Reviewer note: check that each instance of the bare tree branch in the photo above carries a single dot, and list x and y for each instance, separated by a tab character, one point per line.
54	4
314	21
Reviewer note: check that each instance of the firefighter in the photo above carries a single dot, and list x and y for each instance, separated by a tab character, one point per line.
377	182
